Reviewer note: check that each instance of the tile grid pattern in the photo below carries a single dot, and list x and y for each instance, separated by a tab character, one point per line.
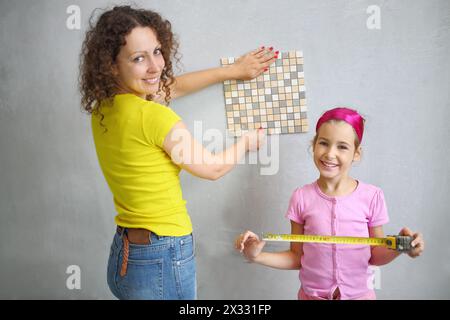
275	100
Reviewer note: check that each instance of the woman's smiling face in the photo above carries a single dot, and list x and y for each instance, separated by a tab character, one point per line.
335	150
139	63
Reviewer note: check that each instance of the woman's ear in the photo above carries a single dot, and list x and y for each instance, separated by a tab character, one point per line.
114	70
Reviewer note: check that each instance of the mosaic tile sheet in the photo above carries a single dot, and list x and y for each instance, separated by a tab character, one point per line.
275	100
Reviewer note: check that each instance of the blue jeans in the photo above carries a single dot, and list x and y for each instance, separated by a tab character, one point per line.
162	270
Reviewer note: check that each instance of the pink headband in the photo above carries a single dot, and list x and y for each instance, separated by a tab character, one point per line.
350	116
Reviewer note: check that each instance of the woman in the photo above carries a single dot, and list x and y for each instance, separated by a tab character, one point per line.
125	73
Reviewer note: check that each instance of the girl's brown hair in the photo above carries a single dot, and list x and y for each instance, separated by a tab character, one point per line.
102	44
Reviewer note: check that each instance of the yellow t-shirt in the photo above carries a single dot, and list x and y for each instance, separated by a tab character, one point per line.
143	179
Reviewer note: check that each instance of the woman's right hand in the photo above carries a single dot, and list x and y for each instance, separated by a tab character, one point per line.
254	139
249	245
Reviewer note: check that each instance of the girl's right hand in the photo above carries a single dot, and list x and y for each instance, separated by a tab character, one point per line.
254	139
249	245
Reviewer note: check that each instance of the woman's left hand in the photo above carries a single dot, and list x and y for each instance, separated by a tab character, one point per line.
417	244
252	64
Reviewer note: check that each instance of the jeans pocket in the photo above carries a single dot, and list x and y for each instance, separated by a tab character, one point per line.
187	247
185	277
143	280
112	270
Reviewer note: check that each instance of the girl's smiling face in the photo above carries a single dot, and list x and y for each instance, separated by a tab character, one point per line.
335	150
139	63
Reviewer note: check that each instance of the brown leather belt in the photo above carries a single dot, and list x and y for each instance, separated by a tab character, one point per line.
133	236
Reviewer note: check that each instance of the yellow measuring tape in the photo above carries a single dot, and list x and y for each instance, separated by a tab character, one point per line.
399	243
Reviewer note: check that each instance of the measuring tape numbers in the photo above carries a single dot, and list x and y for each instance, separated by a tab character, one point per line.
399	243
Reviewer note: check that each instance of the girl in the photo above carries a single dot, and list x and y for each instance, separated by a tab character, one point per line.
338	205
125	73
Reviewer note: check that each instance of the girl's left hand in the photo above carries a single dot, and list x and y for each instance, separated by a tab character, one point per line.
418	244
252	64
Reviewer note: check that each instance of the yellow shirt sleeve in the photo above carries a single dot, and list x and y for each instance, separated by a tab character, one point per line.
157	121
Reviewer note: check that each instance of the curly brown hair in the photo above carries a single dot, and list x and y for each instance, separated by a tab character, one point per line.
102	44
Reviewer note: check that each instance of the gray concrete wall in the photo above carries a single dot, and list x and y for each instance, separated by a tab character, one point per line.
56	209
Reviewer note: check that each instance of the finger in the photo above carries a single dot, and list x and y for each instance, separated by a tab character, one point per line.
237	243
422	242
261	244
270	58
251	233
260	71
265	52
418	245
252	238
241	242
261	136
260	54
247	245
418	248
267	63
247	235
252	241
416	252
405	232
258	50
417	239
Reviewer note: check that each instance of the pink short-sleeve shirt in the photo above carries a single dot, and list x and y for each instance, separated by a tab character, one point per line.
326	267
